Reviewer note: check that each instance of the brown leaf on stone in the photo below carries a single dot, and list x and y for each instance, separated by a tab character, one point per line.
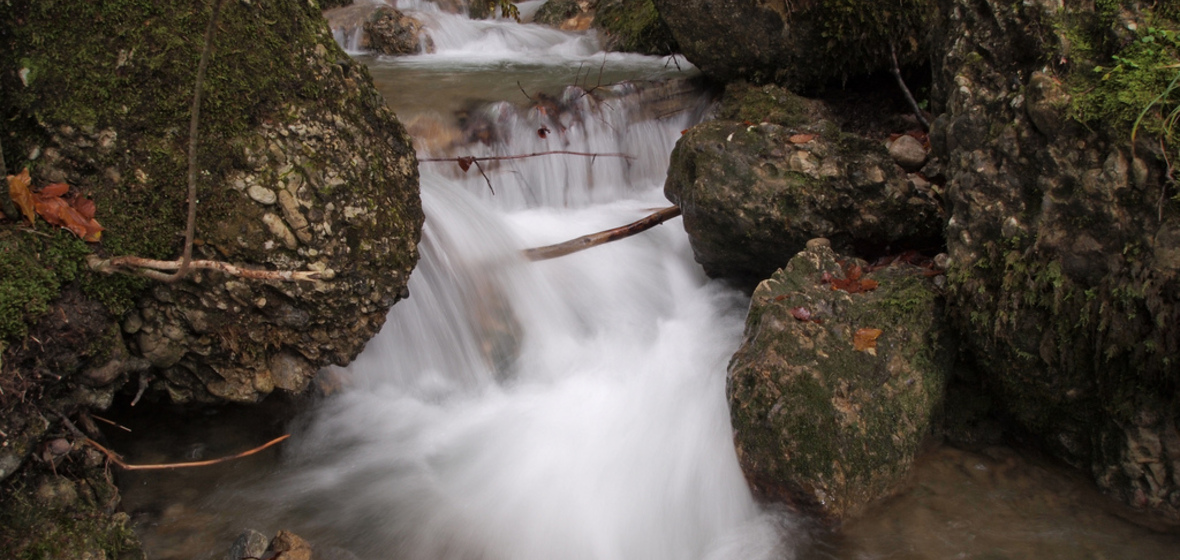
18	189
56	189
801	138
85	207
865	340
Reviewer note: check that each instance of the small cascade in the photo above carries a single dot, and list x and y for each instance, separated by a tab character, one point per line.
569	408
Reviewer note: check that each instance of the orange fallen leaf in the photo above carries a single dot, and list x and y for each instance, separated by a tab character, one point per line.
18	189
56	189
865	340
801	138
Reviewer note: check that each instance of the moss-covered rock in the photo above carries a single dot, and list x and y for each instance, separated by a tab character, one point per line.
302	167
754	190
47	516
634	26
822	420
1062	238
801	45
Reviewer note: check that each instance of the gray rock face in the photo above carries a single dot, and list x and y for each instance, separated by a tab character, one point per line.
832	393
798	44
1062	241
752	195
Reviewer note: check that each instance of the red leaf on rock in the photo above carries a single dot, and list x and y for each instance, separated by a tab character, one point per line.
801	313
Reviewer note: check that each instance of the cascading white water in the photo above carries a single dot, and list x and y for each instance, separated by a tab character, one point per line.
571	408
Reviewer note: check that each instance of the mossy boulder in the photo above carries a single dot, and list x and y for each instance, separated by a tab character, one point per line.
826	416
1064	268
802	45
301	167
754	190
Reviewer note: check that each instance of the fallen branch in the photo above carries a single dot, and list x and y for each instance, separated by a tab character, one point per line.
896	71
595	239
468	160
151	268
116	459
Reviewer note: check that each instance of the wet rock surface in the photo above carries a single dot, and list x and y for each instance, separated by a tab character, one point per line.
1061	238
389	31
832	393
775	171
1061	245
802	45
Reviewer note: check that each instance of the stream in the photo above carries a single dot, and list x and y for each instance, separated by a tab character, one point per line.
572	408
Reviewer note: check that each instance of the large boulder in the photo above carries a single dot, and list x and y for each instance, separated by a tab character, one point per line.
625	25
833	391
1063	238
799	44
775	170
301	167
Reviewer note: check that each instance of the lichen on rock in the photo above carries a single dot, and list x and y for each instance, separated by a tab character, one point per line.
823	419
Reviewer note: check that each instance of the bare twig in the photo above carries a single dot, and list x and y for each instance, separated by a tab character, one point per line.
116	459
909	97
526	94
473	159
485	176
595	239
115	424
150	268
190	227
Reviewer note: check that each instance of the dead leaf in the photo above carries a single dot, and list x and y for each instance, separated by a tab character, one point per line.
801	313
465	163
801	138
543	131
56	189
85	207
18	189
865	340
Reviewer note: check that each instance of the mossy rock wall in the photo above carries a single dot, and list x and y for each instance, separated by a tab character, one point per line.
819	423
775	170
1063	237
802	45
301	167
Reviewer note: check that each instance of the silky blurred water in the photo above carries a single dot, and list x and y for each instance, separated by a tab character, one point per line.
571	408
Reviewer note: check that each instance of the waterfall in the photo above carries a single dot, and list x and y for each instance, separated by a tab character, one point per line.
571	408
